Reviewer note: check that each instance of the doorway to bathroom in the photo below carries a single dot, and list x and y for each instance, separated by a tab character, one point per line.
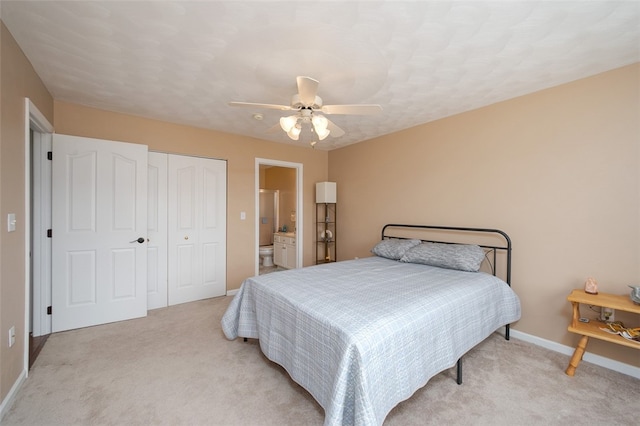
268	225
278	215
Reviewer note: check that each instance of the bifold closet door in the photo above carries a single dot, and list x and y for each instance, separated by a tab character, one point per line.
197	196
157	235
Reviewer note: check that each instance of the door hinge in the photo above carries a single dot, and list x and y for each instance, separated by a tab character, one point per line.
49	155
48	310
49	233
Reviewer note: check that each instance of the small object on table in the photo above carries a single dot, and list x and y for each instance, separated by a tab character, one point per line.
635	294
591	286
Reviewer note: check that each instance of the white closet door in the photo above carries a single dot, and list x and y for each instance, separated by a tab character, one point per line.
99	201
197	228
157	235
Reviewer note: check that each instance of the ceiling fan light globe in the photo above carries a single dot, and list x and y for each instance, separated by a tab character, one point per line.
323	133
288	123
320	123
294	132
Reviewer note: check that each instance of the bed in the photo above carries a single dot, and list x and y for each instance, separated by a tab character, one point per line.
363	335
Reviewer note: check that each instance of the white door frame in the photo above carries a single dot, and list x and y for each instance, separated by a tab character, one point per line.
33	119
299	209
41	144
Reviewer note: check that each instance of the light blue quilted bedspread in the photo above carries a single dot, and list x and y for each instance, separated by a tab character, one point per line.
363	335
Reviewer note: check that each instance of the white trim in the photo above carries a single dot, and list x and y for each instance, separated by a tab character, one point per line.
299	209
601	361
37	119
233	292
33	118
11	396
40	222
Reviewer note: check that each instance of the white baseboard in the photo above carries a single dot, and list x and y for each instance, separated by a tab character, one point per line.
601	361
232	292
8	400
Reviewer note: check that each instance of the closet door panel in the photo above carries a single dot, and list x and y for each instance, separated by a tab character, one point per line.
157	235
197	228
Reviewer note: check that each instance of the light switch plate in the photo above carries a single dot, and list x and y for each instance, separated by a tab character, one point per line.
11	222
12	336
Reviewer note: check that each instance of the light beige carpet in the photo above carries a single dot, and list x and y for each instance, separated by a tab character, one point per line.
175	367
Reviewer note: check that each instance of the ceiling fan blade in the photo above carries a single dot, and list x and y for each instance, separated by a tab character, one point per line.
335	131
274	129
307	90
352	109
256	105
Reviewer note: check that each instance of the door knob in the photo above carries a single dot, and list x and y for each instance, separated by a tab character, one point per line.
139	240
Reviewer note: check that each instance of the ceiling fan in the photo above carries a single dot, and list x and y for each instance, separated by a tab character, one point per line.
309	111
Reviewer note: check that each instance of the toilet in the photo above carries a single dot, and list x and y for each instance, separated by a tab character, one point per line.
266	255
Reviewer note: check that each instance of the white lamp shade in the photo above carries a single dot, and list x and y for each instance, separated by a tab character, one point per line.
320	122
323	133
294	133
287	123
326	192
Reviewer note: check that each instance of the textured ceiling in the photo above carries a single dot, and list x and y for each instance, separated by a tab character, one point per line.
183	61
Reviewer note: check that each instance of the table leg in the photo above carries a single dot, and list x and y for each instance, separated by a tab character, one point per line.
577	356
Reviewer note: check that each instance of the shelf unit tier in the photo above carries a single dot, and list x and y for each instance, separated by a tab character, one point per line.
614	301
325	233
592	328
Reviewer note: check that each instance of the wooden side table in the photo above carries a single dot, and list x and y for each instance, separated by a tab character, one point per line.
592	328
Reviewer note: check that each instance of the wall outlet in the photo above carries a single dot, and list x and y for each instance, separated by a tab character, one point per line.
607	314
12	336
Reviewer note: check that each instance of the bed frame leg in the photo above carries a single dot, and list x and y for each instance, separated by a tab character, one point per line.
506	331
245	339
459	371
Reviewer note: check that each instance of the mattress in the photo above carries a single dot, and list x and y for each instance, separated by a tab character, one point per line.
363	335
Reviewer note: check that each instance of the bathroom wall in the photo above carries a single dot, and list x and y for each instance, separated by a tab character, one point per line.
268	216
284	180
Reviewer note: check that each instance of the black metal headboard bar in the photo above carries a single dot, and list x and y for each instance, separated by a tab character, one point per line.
506	247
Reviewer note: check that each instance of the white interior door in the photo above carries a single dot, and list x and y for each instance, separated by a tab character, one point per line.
99	212
157	234
197	196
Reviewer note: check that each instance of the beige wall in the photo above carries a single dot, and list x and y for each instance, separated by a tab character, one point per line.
240	153
17	81
558	170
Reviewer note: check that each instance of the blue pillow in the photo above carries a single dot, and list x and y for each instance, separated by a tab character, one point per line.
394	248
463	257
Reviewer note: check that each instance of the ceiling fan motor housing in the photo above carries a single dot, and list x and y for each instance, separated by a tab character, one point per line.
296	103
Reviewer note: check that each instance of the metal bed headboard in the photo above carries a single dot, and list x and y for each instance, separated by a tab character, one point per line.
506	247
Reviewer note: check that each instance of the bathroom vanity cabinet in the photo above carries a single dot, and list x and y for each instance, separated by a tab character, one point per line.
284	250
